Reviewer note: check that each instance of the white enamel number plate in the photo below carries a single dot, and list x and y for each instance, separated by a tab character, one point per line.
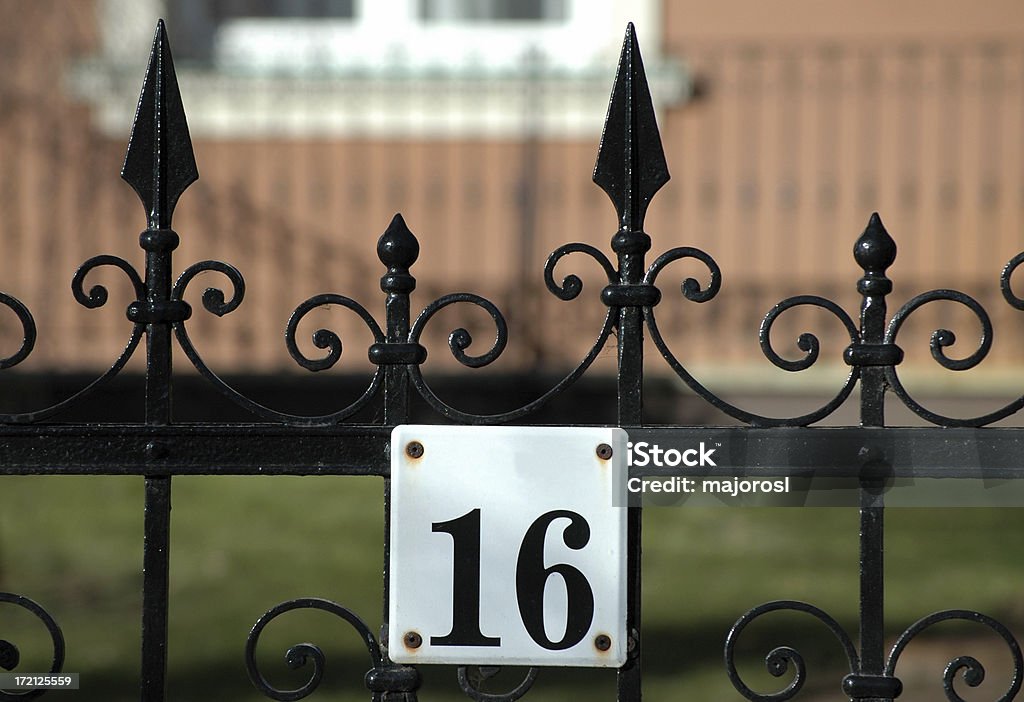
507	547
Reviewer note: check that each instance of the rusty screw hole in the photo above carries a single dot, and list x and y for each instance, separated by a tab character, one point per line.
413	639
604	451
602	642
414	449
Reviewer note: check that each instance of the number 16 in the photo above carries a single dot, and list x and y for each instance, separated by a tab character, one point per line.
531	579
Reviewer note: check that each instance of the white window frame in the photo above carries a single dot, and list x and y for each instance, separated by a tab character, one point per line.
433	80
388	35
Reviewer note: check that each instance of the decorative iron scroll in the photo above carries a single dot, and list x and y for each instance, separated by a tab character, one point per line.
473	691
10	656
858	684
382	677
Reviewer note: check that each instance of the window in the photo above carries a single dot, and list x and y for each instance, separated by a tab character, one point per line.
222	9
346	36
197	21
380	68
491	10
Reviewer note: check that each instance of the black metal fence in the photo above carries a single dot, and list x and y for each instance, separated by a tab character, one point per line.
630	168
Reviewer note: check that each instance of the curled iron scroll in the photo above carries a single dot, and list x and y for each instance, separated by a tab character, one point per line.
475	693
572	285
325	338
690	287
96	297
215	302
213	298
807	342
299	655
9	655
972	670
462	341
1004	282
459	340
28	328
779	659
944	338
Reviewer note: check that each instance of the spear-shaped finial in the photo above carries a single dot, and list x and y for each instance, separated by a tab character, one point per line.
160	163
631	165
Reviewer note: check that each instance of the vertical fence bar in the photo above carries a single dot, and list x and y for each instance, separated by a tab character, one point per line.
159	165
397	249
155	587
874	251
631	168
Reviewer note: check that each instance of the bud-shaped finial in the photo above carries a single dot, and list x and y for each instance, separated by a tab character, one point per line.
875	250
397	247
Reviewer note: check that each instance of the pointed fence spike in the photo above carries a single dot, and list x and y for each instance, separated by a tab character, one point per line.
160	163
631	164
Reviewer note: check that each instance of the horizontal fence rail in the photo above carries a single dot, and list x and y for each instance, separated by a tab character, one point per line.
631	168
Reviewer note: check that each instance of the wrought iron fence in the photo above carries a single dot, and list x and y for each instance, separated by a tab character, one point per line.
631	168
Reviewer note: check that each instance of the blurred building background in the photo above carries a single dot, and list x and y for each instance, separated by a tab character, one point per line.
785	125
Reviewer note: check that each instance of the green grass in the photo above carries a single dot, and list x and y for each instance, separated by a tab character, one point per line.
241	545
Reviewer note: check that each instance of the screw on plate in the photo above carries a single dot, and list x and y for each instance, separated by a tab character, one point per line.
412	639
602	642
604	451
414	449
